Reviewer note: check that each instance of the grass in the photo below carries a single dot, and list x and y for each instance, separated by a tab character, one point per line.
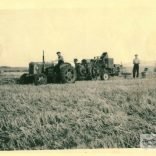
91	114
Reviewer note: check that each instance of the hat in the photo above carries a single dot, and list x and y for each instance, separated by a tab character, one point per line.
58	52
75	59
104	53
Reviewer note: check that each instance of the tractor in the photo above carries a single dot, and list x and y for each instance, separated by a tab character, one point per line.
100	67
44	72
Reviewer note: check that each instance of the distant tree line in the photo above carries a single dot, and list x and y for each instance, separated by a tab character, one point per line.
13	69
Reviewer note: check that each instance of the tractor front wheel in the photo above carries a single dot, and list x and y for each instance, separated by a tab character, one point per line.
23	78
40	79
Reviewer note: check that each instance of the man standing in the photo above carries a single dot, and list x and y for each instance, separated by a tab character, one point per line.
136	63
103	59
104	55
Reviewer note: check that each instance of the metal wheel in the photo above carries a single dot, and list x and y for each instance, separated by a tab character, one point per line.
82	70
68	74
25	79
22	79
40	79
105	76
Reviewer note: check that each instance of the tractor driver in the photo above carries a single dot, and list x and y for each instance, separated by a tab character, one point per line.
60	61
60	58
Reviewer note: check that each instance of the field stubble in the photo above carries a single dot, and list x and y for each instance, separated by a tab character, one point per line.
91	114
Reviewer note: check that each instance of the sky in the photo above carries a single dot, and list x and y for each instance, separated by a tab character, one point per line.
77	28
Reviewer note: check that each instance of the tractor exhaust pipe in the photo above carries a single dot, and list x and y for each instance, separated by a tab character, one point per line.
43	61
43	57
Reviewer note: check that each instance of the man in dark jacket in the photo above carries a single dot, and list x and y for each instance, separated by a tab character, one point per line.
103	58
57	67
136	63
60	58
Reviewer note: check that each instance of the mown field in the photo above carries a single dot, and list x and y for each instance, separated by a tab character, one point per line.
91	114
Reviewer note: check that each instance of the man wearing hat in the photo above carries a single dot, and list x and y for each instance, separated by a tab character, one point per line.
104	58
136	63
60	61
104	55
60	58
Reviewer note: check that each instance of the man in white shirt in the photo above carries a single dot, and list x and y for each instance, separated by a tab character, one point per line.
136	63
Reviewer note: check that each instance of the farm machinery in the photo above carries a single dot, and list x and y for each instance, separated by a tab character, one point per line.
100	67
44	72
88	69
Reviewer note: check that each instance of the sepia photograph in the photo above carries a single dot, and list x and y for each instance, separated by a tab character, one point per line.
77	75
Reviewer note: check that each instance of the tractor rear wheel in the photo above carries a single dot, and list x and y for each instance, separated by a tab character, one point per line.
68	74
40	79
